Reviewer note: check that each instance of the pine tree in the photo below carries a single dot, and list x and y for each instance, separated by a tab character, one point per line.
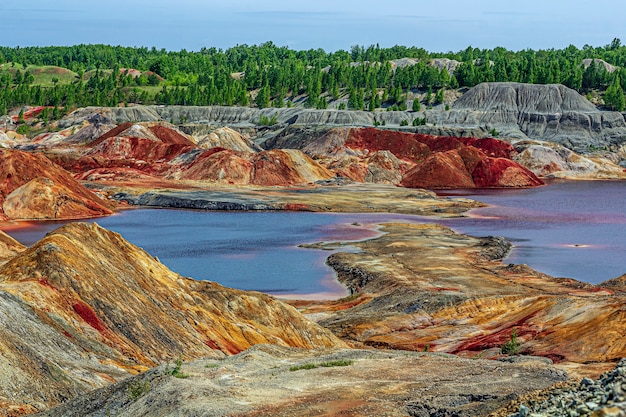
439	96
416	105
263	97
614	96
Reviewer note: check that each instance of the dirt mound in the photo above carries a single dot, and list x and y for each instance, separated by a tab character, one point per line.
273	168
170	136
403	145
43	199
440	170
491	147
218	165
501	172
18	168
287	167
116	131
133	152
227	138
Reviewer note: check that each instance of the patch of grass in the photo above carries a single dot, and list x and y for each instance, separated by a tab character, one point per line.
212	365
44	75
137	389
330	364
341	362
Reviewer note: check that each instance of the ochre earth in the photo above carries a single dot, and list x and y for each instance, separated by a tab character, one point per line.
422	286
83	308
33	187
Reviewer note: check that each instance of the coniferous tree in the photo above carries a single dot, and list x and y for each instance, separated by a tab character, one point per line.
263	97
439	96
416	105
614	96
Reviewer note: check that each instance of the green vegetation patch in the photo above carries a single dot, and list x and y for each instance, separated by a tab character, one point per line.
329	364
511	347
137	389
267	75
176	371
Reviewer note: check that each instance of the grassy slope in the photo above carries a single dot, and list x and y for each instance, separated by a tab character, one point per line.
43	74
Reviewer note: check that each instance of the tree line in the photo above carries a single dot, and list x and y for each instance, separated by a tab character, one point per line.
268	75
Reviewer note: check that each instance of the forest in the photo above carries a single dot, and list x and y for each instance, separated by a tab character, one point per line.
266	75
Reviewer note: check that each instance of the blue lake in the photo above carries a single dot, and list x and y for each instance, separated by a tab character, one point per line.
566	229
574	229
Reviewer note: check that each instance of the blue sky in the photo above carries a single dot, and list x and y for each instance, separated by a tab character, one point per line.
438	26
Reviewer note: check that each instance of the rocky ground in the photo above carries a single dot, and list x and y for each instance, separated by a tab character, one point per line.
355	198
605	396
83	308
266	380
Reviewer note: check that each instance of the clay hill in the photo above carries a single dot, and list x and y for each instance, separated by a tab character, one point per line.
32	187
143	151
555	132
132	151
83	308
418	161
545	112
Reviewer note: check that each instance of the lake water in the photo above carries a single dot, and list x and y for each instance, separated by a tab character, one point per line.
566	229
574	229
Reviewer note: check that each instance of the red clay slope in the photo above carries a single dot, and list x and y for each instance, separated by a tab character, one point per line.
447	162
18	168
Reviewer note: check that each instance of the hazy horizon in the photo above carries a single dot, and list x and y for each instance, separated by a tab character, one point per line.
330	25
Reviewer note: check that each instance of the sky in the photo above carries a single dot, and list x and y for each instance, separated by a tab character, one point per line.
437	26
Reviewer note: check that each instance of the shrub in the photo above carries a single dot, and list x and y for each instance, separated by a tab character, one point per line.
418	121
267	121
138	389
493	132
23	129
511	347
176	371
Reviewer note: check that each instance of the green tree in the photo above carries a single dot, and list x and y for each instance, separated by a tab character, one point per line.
263	97
614	96
416	105
429	96
439	96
